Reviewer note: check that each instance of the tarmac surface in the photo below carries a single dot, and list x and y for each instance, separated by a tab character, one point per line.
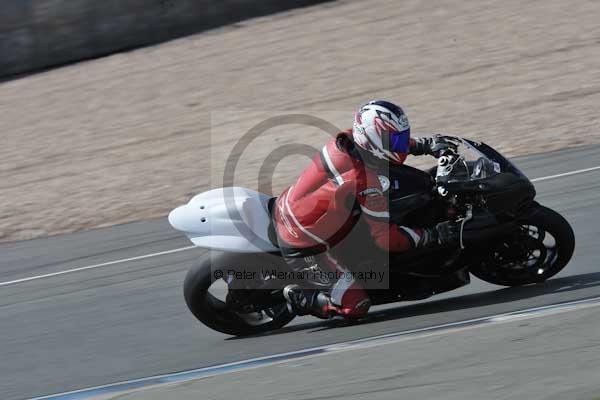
545	358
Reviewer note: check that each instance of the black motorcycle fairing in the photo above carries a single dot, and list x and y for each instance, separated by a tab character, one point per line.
412	287
503	192
410	196
405	180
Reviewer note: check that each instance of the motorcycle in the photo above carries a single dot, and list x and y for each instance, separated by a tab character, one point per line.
506	238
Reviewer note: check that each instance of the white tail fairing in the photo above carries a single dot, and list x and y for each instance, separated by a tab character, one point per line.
229	219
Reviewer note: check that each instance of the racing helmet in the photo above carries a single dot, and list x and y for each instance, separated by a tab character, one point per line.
382	130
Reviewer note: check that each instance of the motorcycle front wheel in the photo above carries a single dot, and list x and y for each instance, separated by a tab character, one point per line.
540	249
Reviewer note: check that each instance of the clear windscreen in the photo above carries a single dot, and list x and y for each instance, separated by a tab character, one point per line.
470	163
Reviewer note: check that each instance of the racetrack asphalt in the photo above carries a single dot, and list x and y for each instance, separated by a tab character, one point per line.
128	320
550	356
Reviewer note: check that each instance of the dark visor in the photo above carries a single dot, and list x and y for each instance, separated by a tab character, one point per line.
399	142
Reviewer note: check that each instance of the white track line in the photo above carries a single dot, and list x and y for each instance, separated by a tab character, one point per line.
579	171
68	271
33	278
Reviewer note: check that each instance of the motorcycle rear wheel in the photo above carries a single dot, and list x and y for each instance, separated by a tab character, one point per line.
547	244
214	312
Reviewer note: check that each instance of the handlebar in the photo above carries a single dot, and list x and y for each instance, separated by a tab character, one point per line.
446	163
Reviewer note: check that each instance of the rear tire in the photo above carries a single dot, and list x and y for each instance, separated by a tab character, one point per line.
544	221
214	313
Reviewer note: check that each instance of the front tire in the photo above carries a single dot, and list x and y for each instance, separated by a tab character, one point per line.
214	312
542	259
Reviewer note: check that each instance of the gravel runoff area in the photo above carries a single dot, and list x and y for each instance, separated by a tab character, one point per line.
128	137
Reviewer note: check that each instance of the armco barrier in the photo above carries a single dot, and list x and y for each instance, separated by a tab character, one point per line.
37	34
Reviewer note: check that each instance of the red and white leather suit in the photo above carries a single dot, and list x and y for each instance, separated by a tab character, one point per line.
320	209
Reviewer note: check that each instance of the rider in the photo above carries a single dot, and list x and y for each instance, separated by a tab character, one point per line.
341	183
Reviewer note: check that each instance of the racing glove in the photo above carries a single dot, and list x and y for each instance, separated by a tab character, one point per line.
433	146
443	234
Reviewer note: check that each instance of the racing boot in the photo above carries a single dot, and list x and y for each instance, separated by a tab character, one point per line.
350	301
309	301
354	303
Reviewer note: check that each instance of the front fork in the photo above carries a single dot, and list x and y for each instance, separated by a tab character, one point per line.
463	221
